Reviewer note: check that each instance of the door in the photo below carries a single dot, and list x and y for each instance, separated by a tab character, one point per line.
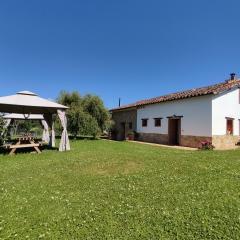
174	131
123	131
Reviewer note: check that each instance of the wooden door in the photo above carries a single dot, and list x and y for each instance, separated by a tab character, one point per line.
174	131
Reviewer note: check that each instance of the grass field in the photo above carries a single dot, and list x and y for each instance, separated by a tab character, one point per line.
117	190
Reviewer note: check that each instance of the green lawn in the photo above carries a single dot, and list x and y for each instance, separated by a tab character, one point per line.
117	190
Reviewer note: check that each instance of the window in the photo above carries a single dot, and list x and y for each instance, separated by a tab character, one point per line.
144	122
157	122
229	126
130	126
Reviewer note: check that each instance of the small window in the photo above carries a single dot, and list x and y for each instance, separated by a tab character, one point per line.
144	122
229	126
157	122
130	126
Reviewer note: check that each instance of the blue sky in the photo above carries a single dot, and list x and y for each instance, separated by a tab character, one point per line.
131	49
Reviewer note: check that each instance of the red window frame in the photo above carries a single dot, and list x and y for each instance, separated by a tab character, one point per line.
229	126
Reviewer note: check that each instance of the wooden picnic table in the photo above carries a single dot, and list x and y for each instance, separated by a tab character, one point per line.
24	142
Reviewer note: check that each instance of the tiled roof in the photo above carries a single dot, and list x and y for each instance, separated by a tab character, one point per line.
213	89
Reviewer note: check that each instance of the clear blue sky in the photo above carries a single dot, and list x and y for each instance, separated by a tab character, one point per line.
131	49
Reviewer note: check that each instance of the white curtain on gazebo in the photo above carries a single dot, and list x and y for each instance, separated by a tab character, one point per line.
64	143
7	122
53	139
45	136
50	123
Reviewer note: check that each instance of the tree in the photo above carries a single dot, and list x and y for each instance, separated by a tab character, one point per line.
87	115
82	123
95	107
69	99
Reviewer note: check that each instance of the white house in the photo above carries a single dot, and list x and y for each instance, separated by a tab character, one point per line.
185	118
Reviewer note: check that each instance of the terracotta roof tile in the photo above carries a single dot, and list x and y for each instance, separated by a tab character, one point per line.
213	89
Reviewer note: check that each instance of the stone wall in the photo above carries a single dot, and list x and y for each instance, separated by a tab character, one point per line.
186	141
219	142
153	138
121	123
193	141
225	141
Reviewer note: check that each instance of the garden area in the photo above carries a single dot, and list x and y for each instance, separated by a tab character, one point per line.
120	190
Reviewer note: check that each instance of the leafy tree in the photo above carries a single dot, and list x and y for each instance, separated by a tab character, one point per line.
95	107
69	99
87	115
82	123
27	126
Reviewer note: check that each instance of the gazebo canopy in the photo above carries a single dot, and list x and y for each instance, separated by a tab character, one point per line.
26	102
19	116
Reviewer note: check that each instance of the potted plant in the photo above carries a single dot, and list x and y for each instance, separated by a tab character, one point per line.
130	136
206	145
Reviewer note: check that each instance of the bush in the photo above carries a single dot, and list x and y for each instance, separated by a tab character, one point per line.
206	146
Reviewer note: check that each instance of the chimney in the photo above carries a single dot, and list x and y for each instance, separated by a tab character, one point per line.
232	76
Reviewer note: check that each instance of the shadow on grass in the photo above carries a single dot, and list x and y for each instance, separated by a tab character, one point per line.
4	151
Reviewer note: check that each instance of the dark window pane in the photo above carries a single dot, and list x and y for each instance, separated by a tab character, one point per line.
157	122
144	122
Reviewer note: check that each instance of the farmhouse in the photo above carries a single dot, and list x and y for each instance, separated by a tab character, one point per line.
185	118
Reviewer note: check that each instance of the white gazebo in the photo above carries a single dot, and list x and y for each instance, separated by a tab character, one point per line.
28	105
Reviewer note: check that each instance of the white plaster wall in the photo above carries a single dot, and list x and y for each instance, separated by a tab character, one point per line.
196	112
225	105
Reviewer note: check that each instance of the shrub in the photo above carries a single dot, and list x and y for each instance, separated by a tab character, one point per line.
206	145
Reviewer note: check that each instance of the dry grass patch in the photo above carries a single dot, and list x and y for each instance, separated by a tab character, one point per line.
112	168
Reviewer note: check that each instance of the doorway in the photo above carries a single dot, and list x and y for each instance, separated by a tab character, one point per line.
174	131
123	131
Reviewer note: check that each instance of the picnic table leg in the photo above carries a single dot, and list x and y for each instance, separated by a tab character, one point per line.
12	152
36	148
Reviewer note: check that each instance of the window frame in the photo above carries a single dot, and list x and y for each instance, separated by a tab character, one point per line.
232	121
155	122
146	121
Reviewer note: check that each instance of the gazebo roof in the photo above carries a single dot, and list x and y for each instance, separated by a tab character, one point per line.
26	102
19	116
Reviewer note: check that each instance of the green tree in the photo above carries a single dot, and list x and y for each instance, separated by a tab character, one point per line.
95	107
69	98
87	115
82	123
